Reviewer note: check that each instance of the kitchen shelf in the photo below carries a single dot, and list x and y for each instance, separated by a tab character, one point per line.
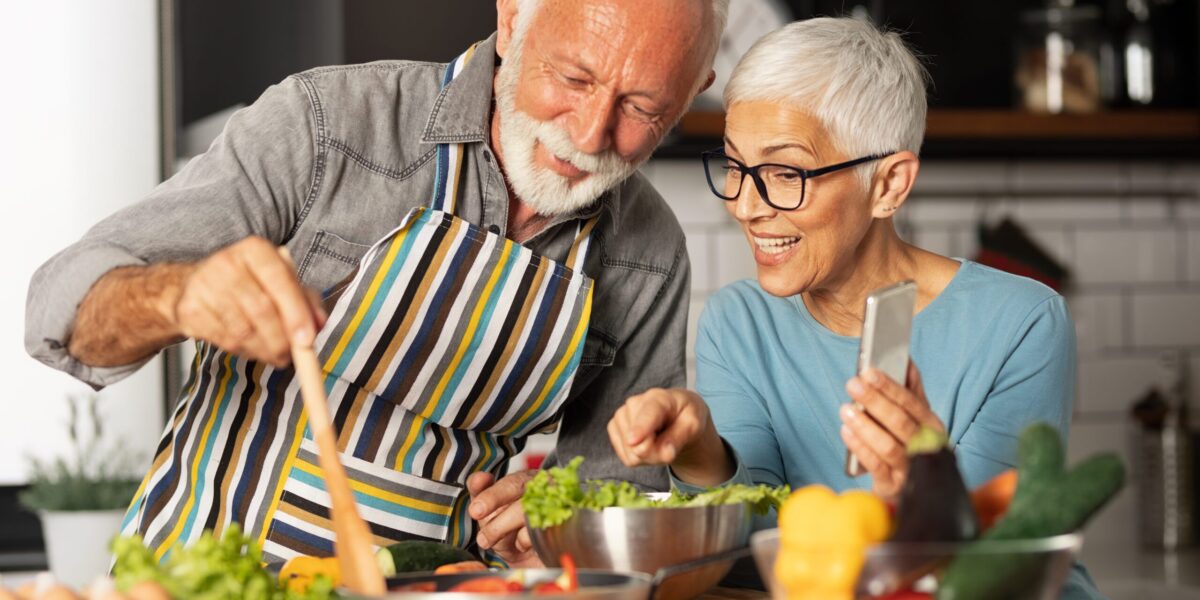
998	132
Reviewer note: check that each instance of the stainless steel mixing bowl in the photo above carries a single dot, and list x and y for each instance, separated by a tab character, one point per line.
648	539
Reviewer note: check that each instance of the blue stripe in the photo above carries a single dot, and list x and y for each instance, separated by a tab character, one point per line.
375	418
255	448
539	323
439	297
208	447
302	536
480	331
567	375
384	289
377	503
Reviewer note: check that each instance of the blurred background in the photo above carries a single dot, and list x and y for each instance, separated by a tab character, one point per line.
1063	143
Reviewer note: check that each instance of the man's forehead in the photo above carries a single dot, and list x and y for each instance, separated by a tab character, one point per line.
648	35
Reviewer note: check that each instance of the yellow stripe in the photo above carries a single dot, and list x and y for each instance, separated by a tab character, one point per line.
583	235
365	305
382	494
408	441
580	328
195	472
301	425
470	333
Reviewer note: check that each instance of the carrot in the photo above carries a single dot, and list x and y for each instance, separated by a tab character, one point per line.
991	499
467	566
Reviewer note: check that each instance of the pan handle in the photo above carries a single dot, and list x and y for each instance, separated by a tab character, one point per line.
666	573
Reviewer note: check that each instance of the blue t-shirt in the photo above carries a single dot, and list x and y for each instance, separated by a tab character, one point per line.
996	352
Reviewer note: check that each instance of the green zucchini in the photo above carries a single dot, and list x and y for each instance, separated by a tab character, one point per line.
412	556
1047	502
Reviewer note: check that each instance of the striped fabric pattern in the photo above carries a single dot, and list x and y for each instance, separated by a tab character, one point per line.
448	346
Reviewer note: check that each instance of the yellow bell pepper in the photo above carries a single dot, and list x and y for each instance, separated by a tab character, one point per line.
300	572
823	539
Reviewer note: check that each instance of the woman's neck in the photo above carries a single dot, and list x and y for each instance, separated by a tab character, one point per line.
882	259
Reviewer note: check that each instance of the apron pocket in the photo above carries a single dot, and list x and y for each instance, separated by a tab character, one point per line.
396	506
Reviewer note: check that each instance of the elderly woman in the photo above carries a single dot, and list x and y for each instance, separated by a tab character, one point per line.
824	123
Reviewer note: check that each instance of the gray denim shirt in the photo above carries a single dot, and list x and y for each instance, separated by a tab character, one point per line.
327	162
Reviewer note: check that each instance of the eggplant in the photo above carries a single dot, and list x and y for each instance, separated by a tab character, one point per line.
934	507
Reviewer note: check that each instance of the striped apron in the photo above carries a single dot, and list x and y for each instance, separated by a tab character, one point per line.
446	347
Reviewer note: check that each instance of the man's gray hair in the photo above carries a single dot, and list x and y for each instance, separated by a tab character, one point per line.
864	85
526	9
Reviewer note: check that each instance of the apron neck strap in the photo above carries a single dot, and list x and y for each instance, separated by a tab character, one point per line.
579	248
448	181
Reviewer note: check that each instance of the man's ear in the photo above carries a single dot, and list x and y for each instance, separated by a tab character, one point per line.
506	23
708	81
893	182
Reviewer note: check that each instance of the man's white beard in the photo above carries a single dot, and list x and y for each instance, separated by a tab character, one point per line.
543	190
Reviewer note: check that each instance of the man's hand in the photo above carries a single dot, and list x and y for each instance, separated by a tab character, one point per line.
496	505
895	414
671	427
244	299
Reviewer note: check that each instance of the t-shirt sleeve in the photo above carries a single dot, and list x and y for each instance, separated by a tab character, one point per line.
1036	382
737	411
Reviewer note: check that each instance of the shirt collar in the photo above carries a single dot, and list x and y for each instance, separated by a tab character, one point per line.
463	110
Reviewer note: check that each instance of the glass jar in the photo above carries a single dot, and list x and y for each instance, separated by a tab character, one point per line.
1058	62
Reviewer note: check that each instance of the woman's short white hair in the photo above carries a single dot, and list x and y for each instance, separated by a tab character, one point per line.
526	9
864	85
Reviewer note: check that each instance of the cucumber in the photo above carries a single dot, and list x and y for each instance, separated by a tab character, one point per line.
1047	502
413	556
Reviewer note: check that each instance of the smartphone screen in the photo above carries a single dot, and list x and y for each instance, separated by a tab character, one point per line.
887	327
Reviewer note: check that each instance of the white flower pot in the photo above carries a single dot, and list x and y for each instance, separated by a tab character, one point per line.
77	543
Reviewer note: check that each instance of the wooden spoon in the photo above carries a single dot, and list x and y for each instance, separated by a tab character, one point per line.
352	539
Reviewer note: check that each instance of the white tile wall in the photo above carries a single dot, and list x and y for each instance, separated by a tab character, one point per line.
1127	255
1109	385
1099	322
1034	177
1191	256
1166	318
1130	233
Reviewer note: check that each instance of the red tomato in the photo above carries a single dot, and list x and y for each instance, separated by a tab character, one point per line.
486	585
570	579
420	586
547	588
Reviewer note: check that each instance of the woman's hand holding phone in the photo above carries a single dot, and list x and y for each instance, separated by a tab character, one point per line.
878	433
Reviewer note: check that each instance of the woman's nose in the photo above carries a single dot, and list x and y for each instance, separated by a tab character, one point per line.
749	204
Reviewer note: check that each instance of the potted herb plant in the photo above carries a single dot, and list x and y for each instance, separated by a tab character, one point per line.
81	497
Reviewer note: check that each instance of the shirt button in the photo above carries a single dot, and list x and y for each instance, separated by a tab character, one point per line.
487	156
494	228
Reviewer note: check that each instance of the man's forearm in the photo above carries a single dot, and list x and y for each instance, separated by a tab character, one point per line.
128	315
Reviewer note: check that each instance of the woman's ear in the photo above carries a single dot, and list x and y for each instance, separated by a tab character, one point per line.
894	180
506	22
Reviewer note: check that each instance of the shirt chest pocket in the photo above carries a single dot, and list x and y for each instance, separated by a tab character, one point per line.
329	259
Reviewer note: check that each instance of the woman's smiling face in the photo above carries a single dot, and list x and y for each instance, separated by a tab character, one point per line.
802	249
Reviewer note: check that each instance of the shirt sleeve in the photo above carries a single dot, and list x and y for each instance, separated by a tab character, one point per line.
652	356
255	179
1035	383
737	411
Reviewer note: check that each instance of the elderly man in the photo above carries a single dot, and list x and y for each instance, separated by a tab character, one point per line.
489	266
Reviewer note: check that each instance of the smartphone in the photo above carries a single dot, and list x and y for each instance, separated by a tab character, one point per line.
887	327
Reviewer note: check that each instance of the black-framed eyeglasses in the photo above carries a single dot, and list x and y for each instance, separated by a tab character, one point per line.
781	186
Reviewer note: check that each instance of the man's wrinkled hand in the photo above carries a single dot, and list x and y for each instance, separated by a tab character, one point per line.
496	506
246	299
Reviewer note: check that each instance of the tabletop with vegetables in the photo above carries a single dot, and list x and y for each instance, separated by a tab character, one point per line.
1009	538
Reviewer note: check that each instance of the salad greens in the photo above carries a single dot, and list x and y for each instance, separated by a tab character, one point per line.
229	568
554	494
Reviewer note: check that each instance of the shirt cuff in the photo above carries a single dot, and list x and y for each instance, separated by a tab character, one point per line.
741	475
55	294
